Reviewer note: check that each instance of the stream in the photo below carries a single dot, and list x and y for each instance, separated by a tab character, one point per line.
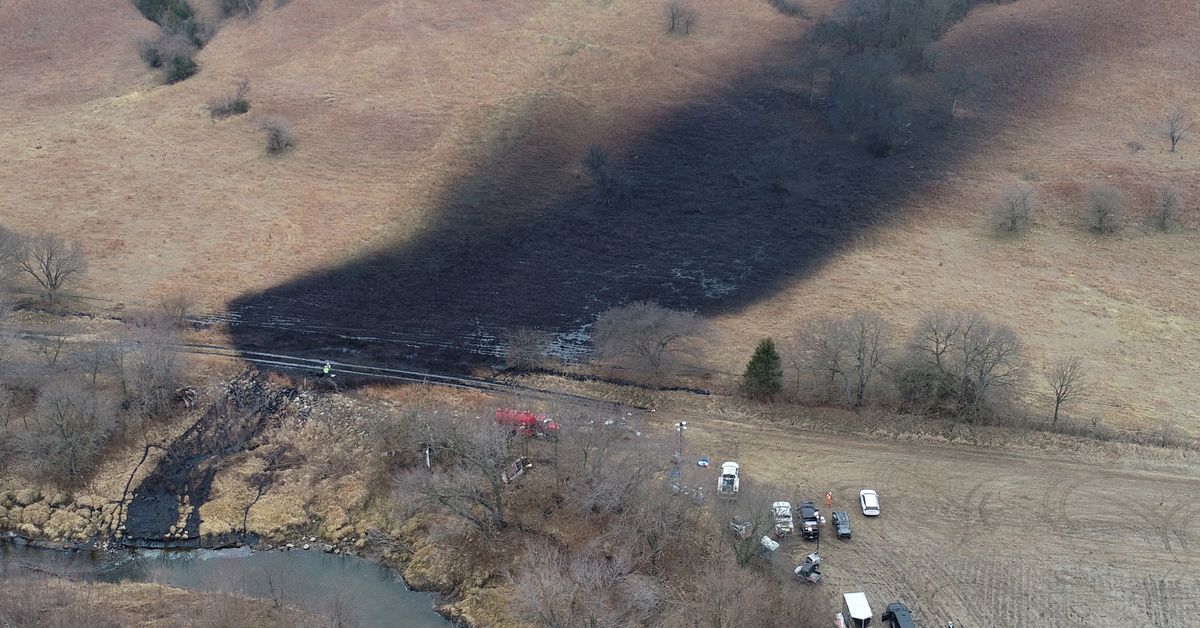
310	580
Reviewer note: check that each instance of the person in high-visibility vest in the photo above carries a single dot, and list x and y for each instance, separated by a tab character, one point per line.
327	369
829	499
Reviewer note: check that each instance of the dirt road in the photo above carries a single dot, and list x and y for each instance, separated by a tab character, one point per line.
985	538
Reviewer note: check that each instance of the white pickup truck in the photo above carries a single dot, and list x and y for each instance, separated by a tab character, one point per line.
730	480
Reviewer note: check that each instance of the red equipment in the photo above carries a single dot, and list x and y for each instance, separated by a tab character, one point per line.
527	424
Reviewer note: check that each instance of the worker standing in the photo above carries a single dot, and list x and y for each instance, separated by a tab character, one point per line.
327	370
828	499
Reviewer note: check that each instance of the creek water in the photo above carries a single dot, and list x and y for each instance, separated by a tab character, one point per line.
311	580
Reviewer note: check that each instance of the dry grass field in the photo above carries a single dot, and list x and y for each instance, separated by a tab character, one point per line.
983	537
435	196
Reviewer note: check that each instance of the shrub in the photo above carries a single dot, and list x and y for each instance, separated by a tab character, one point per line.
180	68
1013	212
1104	204
164	11
231	104
157	52
230	8
791	8
279	135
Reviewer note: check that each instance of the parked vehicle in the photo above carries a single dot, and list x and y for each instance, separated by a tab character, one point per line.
730	480
897	615
810	520
856	612
869	500
841	524
527	424
784	524
741	527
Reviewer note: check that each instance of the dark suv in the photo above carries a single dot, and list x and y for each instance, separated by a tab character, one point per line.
841	523
897	615
810	520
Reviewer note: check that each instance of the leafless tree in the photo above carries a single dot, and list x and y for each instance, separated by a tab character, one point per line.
148	368
1167	205
610	183
825	353
1176	126
680	16
725	595
1067	382
557	589
961	82
867	343
1013	211
51	262
647	338
846	354
1104	208
526	348
961	362
751	509
230	8
177	307
467	477
50	347
867	101
69	424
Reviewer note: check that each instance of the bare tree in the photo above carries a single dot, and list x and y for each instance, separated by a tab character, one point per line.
1167	205
610	184
867	339
1067	381
1176	126
960	362
647	338
69	424
467	480
557	589
867	101
1013	211
526	348
177	307
680	16
961	82
51	262
846	354
1104	208
149	368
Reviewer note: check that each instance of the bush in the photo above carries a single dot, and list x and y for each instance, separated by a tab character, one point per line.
157	52
180	68
1104	205
1013	212
165	11
791	8
230	8
231	104
279	135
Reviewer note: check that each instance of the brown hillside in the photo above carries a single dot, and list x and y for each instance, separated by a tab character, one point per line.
419	120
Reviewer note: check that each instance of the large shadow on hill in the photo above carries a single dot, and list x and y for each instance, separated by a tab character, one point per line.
730	198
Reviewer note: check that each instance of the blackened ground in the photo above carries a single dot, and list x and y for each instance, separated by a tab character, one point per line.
182	479
731	198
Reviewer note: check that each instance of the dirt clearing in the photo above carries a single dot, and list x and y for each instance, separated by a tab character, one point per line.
984	538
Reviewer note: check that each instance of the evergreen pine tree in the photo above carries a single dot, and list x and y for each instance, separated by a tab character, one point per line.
763	378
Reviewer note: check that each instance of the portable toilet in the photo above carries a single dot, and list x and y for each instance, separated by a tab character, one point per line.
857	611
